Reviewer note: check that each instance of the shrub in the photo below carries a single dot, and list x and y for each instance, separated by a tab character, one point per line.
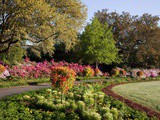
106	74
97	72
62	78
3	72
122	73
140	73
2	69
154	73
28	69
115	72
88	71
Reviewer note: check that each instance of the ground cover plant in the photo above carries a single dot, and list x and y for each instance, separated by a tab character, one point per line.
145	93
83	101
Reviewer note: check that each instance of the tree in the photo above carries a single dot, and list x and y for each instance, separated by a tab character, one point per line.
97	44
40	23
131	33
13	55
148	53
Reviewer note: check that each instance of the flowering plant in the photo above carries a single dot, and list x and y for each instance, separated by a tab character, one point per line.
28	69
122	73
62	78
98	72
88	71
140	73
115	72
2	69
3	72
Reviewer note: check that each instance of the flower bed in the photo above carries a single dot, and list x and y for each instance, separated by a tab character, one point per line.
29	69
87	102
136	73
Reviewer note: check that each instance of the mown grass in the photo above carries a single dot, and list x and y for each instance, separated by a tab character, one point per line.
19	82
145	93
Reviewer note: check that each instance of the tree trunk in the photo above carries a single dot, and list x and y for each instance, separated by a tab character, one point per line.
96	65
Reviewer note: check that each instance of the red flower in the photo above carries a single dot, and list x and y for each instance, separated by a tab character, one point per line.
63	79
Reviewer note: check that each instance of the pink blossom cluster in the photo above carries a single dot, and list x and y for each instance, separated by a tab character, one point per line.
5	74
29	69
146	72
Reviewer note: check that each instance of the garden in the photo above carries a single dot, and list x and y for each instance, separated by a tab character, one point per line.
70	97
54	66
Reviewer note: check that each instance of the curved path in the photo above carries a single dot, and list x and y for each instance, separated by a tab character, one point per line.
4	92
20	89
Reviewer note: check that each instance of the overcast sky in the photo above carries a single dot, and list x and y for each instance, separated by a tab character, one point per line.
134	7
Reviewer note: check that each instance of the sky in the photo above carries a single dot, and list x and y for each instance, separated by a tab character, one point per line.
134	7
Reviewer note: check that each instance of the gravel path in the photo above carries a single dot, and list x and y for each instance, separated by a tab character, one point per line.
20	89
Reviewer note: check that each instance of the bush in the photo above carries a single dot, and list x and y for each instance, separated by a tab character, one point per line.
115	72
122	73
2	69
97	72
28	69
88	72
14	55
3	72
140	73
62	78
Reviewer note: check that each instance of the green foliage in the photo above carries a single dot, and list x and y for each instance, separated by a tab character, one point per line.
97	44
137	37
41	23
45	104
14	55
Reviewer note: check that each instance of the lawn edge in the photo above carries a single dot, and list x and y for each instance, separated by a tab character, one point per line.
149	111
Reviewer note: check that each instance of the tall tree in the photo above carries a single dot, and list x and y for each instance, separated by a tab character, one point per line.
40	22
130	32
97	44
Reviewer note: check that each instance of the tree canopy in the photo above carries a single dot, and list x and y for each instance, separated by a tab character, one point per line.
97	44
40	23
133	35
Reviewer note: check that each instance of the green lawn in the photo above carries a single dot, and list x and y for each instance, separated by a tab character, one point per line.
145	93
4	83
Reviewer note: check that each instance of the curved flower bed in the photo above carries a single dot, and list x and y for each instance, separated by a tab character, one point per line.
150	112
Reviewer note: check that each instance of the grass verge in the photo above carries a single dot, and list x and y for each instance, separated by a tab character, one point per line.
4	83
145	93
